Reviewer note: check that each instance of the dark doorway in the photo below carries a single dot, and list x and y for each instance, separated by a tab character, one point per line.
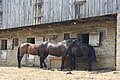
31	40
4	45
84	38
66	36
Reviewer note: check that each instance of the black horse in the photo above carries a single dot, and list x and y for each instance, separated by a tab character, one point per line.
76	49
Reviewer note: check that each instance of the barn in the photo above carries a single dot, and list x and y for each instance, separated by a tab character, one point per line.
95	22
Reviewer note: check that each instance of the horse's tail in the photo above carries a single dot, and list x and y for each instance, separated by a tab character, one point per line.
38	52
92	52
94	55
18	56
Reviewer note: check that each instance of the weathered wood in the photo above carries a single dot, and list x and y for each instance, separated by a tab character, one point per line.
97	7
86	10
118	6
114	6
109	6
18	13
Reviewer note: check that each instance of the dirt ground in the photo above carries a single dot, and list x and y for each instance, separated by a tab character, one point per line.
32	73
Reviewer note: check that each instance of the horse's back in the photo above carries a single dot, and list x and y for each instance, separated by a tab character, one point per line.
63	46
56	49
33	46
28	48
66	42
33	49
52	49
23	47
24	44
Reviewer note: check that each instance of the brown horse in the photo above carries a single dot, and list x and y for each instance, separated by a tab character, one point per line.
58	50
27	48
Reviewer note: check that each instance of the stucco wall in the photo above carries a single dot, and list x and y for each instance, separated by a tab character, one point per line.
105	52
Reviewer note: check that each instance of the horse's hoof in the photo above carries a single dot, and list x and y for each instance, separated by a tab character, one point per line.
19	66
52	69
41	67
89	70
69	72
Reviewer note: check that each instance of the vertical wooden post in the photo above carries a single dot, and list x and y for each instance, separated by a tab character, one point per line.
35	11
118	43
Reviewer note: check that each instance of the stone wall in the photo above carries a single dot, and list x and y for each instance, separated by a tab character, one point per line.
105	52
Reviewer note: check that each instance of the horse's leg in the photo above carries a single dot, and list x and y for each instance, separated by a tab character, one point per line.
71	63
63	60
19	61
42	58
74	62
19	58
89	64
45	56
44	64
41	65
91	57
